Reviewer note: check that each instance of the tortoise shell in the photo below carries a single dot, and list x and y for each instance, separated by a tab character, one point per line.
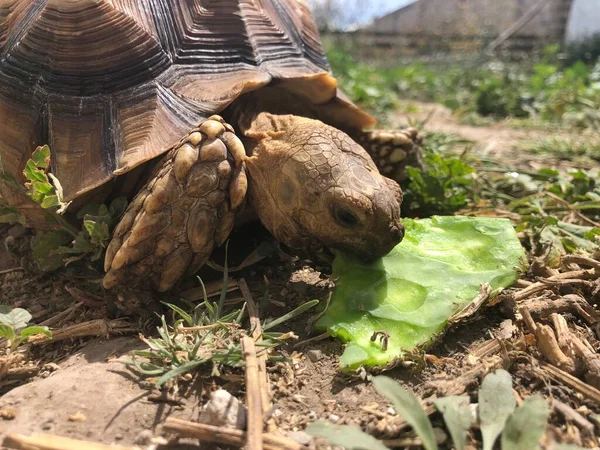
111	84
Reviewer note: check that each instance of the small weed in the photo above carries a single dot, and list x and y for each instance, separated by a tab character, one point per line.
445	183
13	326
66	243
499	417
204	337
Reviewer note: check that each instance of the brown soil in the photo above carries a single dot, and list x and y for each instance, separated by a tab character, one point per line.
81	391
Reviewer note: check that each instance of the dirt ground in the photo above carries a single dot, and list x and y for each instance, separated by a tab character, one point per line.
79	387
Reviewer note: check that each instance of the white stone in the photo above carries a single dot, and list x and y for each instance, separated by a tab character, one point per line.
224	410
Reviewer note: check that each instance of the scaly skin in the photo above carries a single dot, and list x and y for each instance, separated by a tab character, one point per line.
186	208
312	187
393	150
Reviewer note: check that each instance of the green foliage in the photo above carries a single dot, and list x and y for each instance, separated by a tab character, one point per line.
442	187
66	244
347	436
458	417
564	148
496	404
10	214
526	426
556	211
13	326
203	337
545	91
520	429
48	194
55	249
587	50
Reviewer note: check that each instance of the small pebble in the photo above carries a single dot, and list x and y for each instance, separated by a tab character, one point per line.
224	410
144	438
301	437
312	416
8	413
77	417
334	418
314	355
391	411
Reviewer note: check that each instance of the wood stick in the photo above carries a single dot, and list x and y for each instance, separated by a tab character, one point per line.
590	359
254	440
228	436
572	415
581	261
548	345
50	442
561	376
544	306
255	326
563	334
98	327
569	277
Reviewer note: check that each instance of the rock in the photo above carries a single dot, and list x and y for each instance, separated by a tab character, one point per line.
224	410
391	411
144	437
314	355
312	416
334	418
301	437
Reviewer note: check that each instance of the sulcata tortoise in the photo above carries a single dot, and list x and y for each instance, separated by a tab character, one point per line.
126	94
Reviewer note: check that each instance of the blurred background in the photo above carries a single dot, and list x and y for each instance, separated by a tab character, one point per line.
483	59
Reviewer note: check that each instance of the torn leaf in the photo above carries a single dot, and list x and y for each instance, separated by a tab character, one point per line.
411	293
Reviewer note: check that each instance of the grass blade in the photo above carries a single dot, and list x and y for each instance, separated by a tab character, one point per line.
296	312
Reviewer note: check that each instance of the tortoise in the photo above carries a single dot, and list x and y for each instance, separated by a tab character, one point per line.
197	110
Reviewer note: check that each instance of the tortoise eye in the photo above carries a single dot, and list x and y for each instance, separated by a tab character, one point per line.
345	216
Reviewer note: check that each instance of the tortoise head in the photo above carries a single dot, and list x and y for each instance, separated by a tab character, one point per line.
315	189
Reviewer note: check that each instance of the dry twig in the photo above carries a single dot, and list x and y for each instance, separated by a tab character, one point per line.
98	327
591	361
572	415
256	329
226	436
253	396
50	442
549	371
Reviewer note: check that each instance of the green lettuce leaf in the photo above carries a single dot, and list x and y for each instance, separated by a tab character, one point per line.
411	293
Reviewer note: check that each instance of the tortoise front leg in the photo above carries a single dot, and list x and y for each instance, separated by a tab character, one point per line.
393	150
185	210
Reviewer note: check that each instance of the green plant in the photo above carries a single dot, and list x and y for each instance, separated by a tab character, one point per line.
519	428
548	91
443	186
557	212
563	148
65	244
10	214
13	326
203	337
